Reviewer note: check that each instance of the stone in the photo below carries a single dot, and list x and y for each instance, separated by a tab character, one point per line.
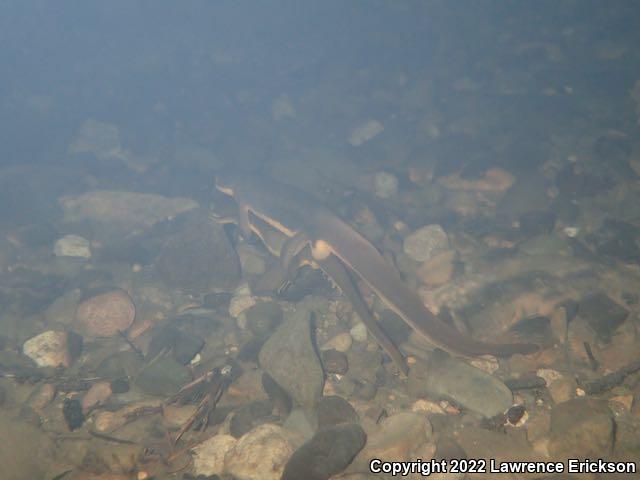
446	377
426	242
49	349
105	314
327	453
250	416
562	389
263	318
41	396
398	437
334	361
334	410
182	345
361	381
240	303
359	332
581	428
208	457
479	442
602	314
118	212
290	358
164	377
250	259
385	185
176	416
341	343
260	454
27	443
72	246
438	270
527	194
200	257
302	424
120	364
95	396
365	132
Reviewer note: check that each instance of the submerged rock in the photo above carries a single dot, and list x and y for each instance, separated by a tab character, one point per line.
105	314
49	349
290	358
602	314
250	416
72	246
263	317
121	212
385	185
328	452
199	258
183	346
365	132
208	457
400	437
426	242
581	428
164	377
260	454
27	444
335	410
452	379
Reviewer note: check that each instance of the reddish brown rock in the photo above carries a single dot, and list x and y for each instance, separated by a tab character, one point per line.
106	314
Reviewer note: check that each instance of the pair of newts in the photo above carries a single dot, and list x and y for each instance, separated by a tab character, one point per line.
317	236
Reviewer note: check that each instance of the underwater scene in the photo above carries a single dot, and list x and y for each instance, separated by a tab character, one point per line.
298	240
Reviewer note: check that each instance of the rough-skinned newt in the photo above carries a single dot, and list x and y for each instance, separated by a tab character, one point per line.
308	223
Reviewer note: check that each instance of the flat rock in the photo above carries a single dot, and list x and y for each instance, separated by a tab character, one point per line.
122	212
290	358
164	377
328	452
199	258
445	377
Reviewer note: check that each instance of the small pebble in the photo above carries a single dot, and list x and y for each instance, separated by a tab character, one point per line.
515	414
385	185
359	332
72	246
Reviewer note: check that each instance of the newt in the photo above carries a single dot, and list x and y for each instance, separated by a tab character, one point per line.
337	248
